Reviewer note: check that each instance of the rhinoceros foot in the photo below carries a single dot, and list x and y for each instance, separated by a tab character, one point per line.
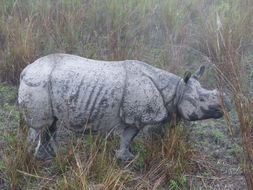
124	155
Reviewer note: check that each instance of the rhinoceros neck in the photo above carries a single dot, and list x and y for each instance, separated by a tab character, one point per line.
168	88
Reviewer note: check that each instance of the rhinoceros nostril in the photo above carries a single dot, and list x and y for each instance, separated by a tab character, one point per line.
202	99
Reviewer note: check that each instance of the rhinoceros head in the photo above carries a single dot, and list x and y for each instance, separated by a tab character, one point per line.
196	103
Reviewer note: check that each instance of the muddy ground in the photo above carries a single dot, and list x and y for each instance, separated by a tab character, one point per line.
210	138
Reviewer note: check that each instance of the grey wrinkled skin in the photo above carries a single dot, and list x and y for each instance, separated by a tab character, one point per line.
84	94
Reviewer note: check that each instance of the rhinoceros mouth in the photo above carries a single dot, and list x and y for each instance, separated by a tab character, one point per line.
213	111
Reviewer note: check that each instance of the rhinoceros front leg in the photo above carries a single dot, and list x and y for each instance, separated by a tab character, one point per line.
125	141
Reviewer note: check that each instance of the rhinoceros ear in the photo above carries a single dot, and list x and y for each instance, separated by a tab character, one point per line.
187	76
199	72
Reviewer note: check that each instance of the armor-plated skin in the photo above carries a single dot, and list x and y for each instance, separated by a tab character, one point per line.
102	96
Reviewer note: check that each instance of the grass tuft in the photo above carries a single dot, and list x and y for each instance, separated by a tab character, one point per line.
89	162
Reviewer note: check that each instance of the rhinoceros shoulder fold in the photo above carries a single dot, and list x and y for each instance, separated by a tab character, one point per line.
142	103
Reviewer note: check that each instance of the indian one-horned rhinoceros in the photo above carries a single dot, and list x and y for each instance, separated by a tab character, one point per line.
102	95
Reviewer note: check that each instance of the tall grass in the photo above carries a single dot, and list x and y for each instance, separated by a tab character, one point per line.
225	38
111	30
89	162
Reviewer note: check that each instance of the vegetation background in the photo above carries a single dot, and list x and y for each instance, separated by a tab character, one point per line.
172	34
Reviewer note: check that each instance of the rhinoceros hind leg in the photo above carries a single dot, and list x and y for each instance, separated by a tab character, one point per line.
44	140
125	141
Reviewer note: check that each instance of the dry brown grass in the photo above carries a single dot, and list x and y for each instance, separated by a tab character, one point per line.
110	30
225	41
89	162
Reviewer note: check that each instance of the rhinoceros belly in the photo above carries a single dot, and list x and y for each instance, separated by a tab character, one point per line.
88	94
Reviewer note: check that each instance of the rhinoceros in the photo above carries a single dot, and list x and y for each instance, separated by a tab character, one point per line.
103	96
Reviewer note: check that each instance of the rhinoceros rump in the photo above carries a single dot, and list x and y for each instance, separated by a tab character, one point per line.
82	93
